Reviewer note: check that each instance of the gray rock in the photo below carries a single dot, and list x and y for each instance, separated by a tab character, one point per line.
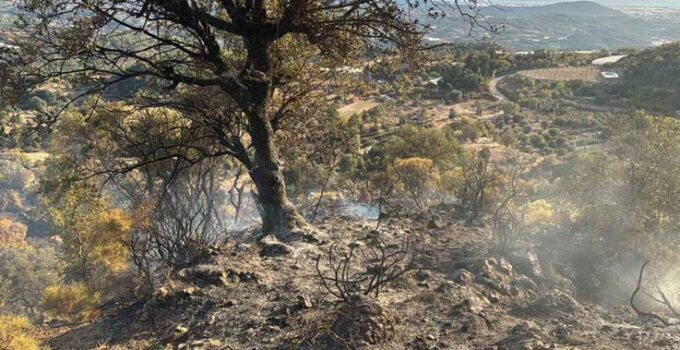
527	264
304	302
553	304
462	276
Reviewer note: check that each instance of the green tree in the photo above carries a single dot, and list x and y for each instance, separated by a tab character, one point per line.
96	237
439	145
418	176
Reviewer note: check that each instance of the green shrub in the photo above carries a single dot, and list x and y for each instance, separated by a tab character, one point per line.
15	334
71	302
538	141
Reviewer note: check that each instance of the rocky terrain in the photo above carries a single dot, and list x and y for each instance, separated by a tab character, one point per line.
267	295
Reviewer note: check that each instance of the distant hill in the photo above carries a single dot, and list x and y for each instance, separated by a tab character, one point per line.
576	8
580	25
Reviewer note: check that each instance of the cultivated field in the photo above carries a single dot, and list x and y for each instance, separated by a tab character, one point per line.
589	74
358	106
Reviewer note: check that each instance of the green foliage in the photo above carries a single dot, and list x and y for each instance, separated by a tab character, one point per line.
651	78
71	302
626	196
440	145
26	269
658	67
95	236
510	108
418	176
16	334
461	78
469	129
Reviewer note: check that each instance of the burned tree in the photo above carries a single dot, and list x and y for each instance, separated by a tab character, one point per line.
476	185
233	57
640	312
347	280
179	227
357	277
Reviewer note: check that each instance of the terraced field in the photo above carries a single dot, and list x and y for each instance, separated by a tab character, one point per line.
588	74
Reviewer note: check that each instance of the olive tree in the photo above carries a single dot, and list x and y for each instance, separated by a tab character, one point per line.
239	67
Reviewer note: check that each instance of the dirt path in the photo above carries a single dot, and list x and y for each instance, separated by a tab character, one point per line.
493	89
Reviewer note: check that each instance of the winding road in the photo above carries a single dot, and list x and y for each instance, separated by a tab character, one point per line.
493	89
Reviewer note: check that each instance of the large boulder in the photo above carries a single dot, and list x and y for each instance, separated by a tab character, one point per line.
215	275
495	274
527	264
554	303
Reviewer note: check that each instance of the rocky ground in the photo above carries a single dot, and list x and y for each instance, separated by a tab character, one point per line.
267	295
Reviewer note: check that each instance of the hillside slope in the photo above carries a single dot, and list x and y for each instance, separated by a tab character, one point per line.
651	79
242	298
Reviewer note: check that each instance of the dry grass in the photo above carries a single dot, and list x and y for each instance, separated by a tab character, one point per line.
588	74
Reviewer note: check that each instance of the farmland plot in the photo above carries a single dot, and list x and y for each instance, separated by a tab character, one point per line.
588	74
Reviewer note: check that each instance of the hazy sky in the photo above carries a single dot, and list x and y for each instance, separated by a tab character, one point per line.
675	3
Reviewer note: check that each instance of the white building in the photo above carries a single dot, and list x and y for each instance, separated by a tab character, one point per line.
610	75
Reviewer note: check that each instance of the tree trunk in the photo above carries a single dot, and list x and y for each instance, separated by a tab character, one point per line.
279	216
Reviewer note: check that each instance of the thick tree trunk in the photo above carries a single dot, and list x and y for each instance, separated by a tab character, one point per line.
279	216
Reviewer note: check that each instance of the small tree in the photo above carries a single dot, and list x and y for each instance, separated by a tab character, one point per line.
96	237
11	83
476	185
418	176
382	264
508	223
356	277
176	228
379	187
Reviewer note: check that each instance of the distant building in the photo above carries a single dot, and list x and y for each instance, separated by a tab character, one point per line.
610	75
435	81
608	60
6	46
